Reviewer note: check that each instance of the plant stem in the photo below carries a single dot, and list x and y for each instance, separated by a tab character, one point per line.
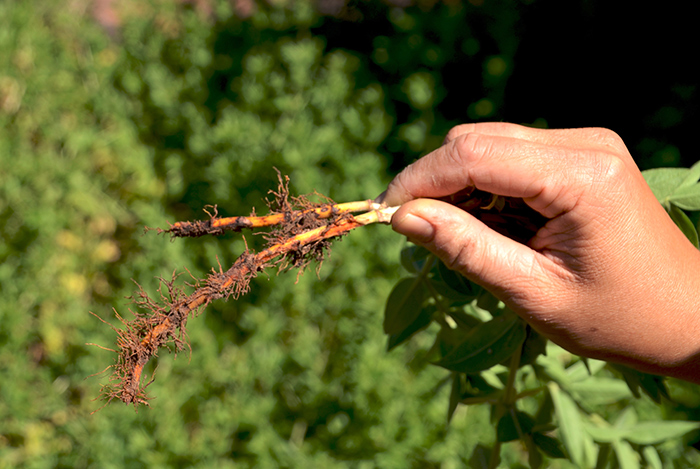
507	404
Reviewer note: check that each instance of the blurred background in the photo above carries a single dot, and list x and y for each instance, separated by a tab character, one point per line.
121	114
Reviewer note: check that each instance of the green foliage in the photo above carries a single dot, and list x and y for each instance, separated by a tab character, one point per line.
533	387
100	137
678	189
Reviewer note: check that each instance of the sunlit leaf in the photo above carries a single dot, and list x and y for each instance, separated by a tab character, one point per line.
599	391
691	177
687	198
651	433
571	426
664	181
652	458
627	457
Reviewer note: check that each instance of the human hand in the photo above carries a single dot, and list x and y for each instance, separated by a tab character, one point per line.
609	276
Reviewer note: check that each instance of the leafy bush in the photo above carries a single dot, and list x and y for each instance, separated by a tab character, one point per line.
101	137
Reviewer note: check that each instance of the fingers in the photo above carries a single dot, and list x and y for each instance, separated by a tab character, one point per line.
593	138
500	165
509	269
538	165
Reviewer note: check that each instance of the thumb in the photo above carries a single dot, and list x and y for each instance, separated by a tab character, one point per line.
512	271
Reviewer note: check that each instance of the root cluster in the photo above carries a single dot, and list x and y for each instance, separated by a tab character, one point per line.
303	232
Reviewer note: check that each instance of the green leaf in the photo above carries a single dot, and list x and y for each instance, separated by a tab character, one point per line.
422	321
599	391
683	222
481	456
571	426
644	433
457	283
486	345
534	456
687	198
678	186
627	457
664	181
604	433
627	418
549	445
654	386
413	258
404	305
652	458
535	345
507	430
651	433
545	412
455	395
692	177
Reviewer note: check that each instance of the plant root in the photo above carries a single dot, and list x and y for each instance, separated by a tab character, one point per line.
301	233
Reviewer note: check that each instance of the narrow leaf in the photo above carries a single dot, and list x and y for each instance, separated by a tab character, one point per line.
455	395
534	456
683	222
403	305
692	177
599	391
570	425
605	433
486	345
627	457
687	198
651	433
652	458
534	346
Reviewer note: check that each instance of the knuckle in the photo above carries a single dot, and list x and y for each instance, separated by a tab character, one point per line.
608	138
465	149
457	131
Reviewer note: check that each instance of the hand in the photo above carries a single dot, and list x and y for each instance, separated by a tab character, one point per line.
609	276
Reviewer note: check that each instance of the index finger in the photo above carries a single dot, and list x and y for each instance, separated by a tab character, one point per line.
549	176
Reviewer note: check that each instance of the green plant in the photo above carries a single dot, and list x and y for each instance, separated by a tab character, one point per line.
532	386
553	403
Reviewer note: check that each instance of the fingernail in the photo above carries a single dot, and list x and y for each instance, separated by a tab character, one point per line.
415	228
380	198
